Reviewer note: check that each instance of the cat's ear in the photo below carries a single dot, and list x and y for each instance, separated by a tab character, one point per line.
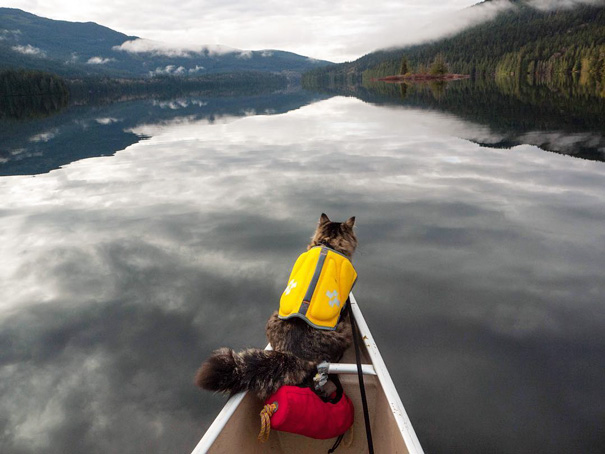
350	222
323	219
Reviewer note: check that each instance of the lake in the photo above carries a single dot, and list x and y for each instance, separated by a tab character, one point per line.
137	237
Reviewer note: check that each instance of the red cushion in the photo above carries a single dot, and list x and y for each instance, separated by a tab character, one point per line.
301	411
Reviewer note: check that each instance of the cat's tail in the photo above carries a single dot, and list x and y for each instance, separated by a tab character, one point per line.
261	371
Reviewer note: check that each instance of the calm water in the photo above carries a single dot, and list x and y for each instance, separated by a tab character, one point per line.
480	266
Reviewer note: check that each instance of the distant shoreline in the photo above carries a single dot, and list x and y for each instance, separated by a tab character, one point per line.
422	77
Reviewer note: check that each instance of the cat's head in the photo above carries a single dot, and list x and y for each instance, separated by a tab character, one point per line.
336	235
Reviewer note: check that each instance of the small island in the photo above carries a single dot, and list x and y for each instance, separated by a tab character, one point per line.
438	71
421	77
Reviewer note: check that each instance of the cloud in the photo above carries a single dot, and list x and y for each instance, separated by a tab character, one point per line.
171	70
399	33
557	141
99	60
179	103
8	34
18	151
147	46
197	69
314	28
563	142
547	5
28	49
45	136
106	120
245	55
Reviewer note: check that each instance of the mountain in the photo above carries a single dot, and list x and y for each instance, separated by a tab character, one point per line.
75	49
519	40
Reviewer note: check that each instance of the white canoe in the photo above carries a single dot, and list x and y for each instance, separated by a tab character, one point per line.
235	429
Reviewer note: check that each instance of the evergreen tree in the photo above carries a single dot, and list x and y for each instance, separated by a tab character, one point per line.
403	69
438	67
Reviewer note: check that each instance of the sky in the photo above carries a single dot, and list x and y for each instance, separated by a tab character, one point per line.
332	30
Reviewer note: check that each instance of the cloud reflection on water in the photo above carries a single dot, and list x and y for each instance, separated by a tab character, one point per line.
479	276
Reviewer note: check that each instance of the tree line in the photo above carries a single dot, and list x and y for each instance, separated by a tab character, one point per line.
31	83
545	46
27	94
221	84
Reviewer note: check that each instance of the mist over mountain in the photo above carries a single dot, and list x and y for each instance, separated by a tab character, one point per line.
543	39
74	49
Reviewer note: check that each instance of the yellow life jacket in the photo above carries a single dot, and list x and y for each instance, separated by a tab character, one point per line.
318	288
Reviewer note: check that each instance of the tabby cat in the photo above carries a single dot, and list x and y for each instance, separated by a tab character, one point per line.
297	346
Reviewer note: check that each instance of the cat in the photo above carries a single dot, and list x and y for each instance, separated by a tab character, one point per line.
297	346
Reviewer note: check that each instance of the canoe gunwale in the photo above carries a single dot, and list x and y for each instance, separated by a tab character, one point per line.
378	368
401	417
221	420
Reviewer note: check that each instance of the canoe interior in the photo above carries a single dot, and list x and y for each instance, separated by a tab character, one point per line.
239	435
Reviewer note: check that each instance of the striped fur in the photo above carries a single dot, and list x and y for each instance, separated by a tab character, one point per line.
260	371
298	347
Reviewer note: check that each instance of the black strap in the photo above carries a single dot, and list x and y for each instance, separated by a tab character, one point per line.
336	444
362	388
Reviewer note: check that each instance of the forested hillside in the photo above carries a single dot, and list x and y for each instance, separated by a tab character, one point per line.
519	41
77	49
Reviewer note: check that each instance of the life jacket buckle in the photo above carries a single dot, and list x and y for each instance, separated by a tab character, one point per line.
321	377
